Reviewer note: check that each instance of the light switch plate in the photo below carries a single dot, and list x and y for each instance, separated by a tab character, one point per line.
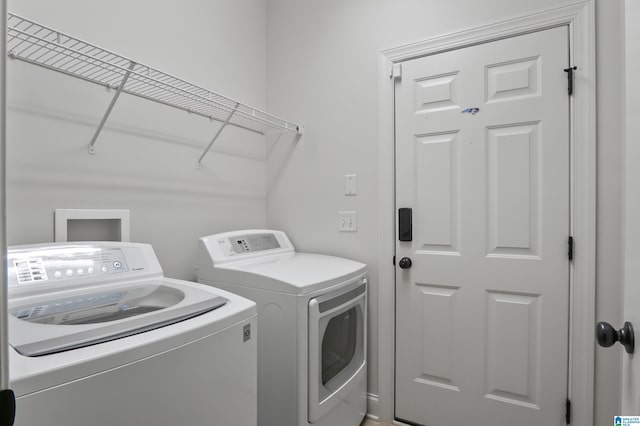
347	221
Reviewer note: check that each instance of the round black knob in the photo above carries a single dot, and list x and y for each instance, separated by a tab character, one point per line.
607	336
405	263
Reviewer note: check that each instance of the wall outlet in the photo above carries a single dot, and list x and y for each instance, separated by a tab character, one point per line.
347	222
350	184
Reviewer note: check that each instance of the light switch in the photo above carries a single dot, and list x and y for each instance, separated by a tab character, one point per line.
350	184
347	222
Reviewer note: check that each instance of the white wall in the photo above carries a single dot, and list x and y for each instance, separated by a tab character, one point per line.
147	154
323	71
318	65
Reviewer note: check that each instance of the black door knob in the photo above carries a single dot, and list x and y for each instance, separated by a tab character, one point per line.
405	263
607	336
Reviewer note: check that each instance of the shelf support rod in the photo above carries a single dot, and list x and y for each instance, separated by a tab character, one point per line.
111	105
220	129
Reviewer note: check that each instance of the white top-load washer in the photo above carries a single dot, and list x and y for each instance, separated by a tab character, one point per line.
98	336
312	316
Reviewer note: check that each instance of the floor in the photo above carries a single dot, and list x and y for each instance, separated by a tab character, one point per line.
369	422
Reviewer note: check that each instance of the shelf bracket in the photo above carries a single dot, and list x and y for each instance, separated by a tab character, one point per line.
220	129
111	105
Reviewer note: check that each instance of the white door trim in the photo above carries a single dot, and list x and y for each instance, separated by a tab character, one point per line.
580	17
630	381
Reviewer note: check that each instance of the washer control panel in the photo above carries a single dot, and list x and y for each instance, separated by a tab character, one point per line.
63	264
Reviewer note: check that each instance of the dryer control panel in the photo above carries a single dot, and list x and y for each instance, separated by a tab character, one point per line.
247	244
253	243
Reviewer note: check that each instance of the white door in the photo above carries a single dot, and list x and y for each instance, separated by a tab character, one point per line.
482	159
631	363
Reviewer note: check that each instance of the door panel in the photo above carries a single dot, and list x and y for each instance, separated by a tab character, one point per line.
482	158
436	157
512	189
513	345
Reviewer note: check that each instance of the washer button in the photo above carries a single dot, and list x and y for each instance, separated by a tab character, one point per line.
117	264
57	274
69	272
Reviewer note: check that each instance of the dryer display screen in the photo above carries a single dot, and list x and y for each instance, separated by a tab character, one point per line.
255	242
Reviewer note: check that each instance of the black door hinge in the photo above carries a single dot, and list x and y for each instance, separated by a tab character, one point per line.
567	414
570	252
569	72
394	261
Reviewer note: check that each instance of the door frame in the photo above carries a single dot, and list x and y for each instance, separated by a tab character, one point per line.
630	380
580	18
4	340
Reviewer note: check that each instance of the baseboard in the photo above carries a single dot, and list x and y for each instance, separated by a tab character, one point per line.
373	413
373	406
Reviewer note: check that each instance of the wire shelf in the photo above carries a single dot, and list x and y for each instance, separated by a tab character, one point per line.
37	44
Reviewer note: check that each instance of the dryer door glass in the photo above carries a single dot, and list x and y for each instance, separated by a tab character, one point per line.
339	344
337	363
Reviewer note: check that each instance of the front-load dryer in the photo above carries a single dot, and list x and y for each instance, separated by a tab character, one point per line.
98	336
312	313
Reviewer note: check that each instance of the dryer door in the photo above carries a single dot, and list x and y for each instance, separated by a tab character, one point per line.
337	345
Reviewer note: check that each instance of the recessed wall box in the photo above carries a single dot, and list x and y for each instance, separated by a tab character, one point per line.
91	225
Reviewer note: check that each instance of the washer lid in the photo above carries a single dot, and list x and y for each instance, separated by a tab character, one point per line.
296	273
59	322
